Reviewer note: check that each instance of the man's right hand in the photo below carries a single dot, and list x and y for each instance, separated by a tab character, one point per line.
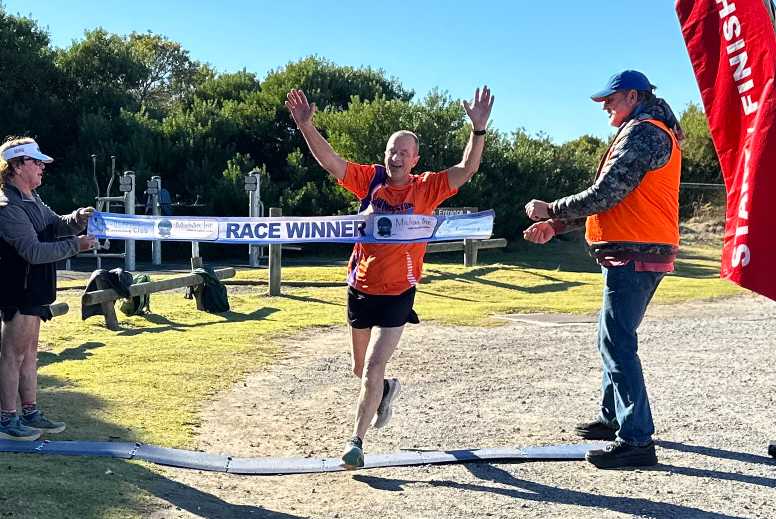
537	210
540	232
301	111
86	243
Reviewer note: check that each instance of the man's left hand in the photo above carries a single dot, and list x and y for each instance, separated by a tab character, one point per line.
537	210
83	214
479	110
540	232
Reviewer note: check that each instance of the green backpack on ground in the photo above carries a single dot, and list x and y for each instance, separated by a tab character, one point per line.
138	305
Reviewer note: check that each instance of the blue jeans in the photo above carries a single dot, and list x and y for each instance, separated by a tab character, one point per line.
624	398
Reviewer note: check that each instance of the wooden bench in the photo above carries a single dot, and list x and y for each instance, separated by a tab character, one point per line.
106	297
468	246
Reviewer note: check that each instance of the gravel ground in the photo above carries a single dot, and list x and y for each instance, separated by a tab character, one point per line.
708	366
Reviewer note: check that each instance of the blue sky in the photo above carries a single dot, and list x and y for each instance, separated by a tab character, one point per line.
542	60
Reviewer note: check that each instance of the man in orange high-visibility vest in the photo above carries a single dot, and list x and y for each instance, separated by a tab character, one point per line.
631	219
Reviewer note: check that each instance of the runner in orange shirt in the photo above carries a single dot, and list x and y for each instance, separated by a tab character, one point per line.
382	277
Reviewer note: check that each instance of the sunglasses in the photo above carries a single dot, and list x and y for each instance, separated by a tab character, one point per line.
34	161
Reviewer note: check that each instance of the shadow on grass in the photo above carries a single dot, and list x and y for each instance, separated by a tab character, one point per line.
168	324
538	492
81	352
288	283
85	487
568	256
689	270
307	299
476	275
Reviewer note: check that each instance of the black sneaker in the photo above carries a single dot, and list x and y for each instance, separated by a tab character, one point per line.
596	430
772	448
620	454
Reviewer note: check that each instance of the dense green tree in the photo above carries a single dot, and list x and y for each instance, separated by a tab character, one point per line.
699	164
226	87
699	158
103	72
331	85
169	73
31	88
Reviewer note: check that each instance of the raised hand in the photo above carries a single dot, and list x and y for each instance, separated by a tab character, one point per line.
301	111
479	110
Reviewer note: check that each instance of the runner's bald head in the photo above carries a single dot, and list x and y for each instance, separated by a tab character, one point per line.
404	134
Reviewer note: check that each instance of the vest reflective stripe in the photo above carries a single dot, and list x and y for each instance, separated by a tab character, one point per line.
650	213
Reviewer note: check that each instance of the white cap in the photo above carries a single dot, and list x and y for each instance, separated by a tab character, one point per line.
28	149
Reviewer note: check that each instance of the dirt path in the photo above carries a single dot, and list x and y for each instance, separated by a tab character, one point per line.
709	367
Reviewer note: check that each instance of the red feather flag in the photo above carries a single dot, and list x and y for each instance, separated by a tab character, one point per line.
732	47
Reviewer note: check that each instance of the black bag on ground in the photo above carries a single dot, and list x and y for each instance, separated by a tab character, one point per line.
118	279
214	297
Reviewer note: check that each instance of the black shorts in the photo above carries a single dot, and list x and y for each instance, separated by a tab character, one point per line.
368	310
8	312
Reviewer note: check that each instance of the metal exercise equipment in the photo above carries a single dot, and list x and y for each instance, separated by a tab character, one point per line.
103	203
255	209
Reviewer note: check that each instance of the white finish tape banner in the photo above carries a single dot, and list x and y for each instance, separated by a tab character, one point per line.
372	228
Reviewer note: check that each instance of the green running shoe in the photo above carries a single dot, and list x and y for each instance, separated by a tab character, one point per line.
14	430
42	424
353	456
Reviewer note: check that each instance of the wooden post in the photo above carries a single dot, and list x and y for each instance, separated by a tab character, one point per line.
274	259
196	259
469	252
108	308
197	291
196	263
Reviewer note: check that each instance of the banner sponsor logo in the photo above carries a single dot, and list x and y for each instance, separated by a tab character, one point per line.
403	227
472	227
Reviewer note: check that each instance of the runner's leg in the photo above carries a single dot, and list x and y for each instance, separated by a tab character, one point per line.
377	356
359	341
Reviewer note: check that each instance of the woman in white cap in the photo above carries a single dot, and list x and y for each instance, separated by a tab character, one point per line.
32	239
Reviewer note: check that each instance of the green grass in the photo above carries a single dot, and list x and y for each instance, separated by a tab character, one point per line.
148	381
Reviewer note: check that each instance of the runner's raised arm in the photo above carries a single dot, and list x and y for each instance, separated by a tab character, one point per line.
302	112
479	113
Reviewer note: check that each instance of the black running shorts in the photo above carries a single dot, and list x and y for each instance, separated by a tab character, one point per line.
368	310
8	312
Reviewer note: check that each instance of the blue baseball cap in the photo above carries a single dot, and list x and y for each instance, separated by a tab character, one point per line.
625	80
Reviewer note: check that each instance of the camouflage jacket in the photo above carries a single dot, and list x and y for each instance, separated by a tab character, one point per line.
641	147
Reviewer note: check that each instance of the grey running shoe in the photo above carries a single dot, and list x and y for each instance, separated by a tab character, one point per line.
384	410
353	455
40	423
15	431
